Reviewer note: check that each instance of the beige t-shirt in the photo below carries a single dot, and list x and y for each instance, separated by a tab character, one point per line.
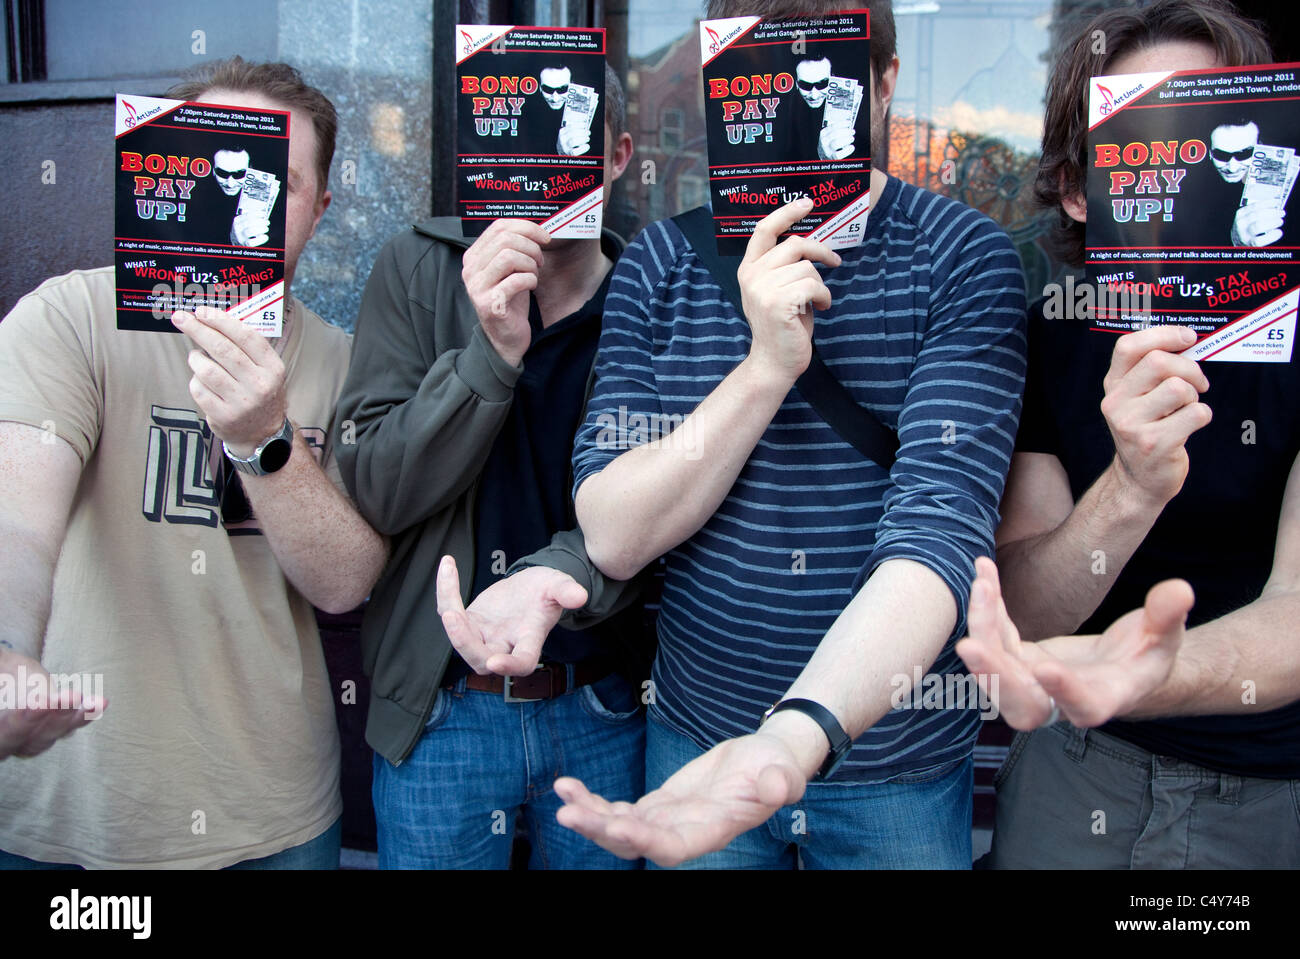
219	742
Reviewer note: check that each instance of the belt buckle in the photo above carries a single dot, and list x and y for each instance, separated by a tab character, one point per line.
508	683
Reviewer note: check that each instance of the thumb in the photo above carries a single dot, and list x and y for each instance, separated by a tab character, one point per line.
779	784
1167	606
568	594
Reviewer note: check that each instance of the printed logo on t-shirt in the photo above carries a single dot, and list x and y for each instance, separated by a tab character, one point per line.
179	486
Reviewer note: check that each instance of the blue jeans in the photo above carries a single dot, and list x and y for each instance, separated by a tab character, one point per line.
482	762
319	853
921	820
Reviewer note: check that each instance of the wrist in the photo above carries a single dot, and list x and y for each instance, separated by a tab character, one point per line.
1130	500
763	379
802	736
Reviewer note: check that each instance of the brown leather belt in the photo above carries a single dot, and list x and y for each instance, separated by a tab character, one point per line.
546	682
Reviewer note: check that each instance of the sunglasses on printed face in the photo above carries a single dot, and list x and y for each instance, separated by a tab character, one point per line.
554	91
815	85
229	174
1223	156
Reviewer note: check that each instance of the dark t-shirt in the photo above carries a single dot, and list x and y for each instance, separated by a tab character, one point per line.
1218	533
523	491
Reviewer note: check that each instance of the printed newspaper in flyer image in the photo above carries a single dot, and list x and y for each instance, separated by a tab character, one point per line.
1190	177
198	212
531	127
788	115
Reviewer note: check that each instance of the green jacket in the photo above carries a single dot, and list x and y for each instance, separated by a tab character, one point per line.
426	396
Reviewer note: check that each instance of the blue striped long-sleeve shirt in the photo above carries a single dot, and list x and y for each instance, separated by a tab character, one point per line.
926	331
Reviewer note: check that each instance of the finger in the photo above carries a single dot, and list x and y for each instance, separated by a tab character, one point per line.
513	285
520	661
815	292
212	375
773	225
505	264
1132	347
624	836
1176	427
1155	368
1168	396
222	337
509	232
795	248
455	621
210	404
573	792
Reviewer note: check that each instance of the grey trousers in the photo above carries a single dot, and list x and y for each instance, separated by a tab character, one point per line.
1072	798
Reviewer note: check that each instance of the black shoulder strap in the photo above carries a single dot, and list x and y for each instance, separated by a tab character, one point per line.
828	396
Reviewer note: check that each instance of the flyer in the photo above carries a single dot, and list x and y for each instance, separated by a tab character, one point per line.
199	212
1191	218
531	127
788	114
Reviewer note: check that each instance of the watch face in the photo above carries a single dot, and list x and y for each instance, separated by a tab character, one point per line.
275	454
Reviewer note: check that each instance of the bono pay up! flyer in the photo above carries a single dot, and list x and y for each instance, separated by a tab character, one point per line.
531	127
1190	179
199	212
788	114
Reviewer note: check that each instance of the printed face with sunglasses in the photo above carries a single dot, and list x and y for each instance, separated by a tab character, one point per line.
814	79
554	82
1231	148
228	168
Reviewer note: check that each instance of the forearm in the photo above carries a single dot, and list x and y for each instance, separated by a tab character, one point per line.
26	577
653	497
326	549
899	619
1053	582
1247	661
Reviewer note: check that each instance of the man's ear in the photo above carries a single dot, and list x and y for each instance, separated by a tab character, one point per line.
322	205
620	156
888	83
1074	204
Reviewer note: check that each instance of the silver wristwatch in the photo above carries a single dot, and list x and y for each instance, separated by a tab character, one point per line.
270	456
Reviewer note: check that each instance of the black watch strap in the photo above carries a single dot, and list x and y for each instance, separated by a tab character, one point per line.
823	717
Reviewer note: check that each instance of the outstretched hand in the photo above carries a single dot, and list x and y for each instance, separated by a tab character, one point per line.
504	629
29	728
732	788
1091	678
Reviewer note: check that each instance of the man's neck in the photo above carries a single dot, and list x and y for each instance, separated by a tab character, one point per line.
878	183
569	278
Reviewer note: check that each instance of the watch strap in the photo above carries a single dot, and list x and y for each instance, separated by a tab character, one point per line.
840	741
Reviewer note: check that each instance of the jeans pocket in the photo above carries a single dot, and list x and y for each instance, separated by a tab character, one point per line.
441	707
611	699
1018	744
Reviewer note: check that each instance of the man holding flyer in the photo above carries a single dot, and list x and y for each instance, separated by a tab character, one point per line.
1121	480
136	550
802	577
469	376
